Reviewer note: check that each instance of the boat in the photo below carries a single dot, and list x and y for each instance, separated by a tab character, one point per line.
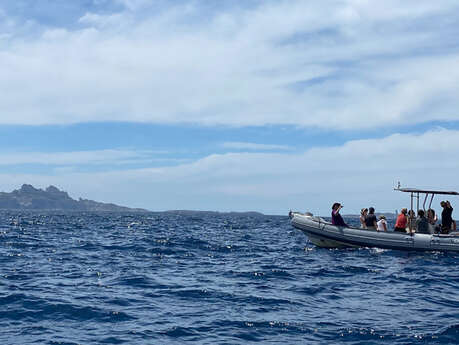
323	233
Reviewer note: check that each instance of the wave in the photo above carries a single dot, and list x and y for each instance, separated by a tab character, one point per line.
169	279
30	308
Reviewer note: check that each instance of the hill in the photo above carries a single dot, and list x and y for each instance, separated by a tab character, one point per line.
31	198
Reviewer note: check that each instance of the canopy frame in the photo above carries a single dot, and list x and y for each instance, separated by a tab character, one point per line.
414	198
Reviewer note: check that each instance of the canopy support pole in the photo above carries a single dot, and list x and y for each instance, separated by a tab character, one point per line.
425	200
431	199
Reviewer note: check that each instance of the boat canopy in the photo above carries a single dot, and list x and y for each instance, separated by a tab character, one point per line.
425	191
415	196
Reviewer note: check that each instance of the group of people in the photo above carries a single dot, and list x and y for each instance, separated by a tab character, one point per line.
368	220
406	220
426	223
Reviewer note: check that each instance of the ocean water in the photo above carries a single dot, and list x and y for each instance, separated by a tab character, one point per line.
160	278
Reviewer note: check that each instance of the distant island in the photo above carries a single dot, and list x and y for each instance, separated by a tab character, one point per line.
213	213
31	198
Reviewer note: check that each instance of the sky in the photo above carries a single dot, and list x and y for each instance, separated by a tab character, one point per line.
230	105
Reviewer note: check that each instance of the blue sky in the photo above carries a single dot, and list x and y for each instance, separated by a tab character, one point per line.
230	106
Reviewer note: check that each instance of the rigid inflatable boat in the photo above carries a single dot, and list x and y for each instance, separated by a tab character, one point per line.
324	234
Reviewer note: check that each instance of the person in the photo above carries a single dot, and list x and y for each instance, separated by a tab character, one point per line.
336	216
363	214
432	219
453	222
411	226
446	217
370	219
422	224
402	221
382	223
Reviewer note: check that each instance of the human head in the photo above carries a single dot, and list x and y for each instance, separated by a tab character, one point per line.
371	210
421	213
363	211
404	211
431	212
336	205
382	217
443	204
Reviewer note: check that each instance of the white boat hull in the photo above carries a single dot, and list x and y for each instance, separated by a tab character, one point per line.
325	234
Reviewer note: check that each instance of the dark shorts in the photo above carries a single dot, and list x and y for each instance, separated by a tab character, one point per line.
445	229
400	230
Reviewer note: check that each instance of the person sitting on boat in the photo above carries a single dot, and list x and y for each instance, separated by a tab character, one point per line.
363	214
370	219
422	224
431	216
446	217
411	221
336	216
432	219
402	221
382	223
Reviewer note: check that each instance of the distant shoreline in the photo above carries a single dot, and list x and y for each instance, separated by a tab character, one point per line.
29	198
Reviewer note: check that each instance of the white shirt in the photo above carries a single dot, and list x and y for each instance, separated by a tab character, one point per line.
380	224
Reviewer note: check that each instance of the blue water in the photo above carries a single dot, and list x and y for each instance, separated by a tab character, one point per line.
75	278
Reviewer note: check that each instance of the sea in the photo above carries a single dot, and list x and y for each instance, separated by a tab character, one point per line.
210	278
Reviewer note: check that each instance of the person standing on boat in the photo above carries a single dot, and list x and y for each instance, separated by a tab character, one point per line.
370	219
446	217
382	223
336	216
422	224
363	214
453	222
402	221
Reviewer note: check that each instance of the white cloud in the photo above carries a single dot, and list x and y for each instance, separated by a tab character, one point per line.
101	21
97	157
134	4
339	64
359	173
253	146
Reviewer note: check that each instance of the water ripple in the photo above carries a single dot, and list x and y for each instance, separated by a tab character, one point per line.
73	278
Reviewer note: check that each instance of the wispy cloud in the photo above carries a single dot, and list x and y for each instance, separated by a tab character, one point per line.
347	64
254	146
97	157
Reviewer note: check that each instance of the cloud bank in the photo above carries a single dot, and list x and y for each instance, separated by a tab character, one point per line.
332	64
359	173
